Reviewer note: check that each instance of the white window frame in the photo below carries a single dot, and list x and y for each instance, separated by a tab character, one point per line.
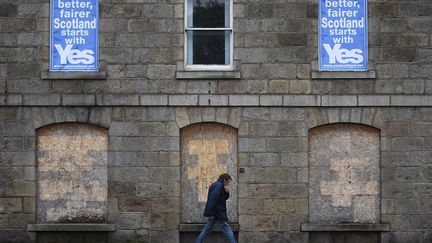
210	67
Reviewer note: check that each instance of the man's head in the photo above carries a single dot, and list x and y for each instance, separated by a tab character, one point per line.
226	178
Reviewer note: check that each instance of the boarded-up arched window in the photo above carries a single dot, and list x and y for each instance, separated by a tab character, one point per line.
207	150
72	173
344	174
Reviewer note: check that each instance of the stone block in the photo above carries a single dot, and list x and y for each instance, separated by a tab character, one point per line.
121	189
243	100
333	115
134	204
265	223
127	221
164	236
347	100
45	100
151	55
367	116
406	143
183	100
264	159
291	39
11	173
420	70
8	113
281	144
154	100
252	145
122	236
263	129
201	87
29	205
195	114
160	114
251	55
172	86
288	129
374	100
279	86
213	100
165	174
150	189
208	114
11	205
78	100
279	71
400	237
135	71
113	24
235	117
270	100
165	205
20	221
294	159
8	10
118	99
222	115
300	86
301	100
26	188
116	55
161	71
182	117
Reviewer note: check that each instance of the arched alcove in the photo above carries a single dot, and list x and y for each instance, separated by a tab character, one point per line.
72	183
344	174
207	150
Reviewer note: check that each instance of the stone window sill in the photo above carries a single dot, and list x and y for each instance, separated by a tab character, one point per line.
343	75
197	227
345	227
73	75
71	227
181	73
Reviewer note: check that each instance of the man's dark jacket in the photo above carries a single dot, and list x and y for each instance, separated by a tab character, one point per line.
216	201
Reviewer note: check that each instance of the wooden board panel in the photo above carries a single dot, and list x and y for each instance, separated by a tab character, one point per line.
207	150
344	174
72	173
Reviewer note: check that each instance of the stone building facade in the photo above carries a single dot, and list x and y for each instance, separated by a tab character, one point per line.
125	154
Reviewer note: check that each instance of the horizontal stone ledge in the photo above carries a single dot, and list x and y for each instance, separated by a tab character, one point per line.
343	75
223	100
208	75
345	227
71	227
73	75
197	227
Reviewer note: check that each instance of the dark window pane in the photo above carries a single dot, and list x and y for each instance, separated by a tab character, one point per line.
209	47
209	14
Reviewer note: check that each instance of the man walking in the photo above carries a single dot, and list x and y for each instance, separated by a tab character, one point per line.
215	209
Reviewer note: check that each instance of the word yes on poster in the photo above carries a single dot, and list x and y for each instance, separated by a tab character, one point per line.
343	37
74	35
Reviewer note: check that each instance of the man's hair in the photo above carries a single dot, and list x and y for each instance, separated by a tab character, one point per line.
225	177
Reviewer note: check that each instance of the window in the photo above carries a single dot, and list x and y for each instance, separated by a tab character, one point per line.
72	173
208	37
344	172
207	151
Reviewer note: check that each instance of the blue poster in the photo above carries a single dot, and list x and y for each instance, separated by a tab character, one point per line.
74	35
343	35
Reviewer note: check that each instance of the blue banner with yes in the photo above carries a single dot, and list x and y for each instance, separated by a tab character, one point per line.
343	35
74	27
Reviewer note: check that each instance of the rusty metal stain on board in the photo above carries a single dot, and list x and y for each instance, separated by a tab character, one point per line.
72	173
208	150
